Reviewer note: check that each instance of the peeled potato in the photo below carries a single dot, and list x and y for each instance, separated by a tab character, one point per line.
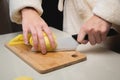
20	40
47	42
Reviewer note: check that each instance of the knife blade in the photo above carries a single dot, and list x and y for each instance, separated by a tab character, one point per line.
67	42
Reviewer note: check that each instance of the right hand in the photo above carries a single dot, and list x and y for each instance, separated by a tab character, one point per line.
96	28
33	23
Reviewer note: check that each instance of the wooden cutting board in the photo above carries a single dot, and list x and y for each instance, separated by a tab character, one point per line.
49	62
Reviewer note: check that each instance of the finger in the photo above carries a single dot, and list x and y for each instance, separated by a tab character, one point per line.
84	42
91	38
98	38
25	34
104	33
103	36
33	49
81	37
34	38
50	36
41	41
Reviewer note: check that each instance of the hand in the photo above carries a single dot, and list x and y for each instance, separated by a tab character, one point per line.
96	28
33	23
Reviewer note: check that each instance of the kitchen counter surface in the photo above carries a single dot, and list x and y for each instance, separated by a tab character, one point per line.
101	64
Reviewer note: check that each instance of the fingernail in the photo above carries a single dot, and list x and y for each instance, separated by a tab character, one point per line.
54	45
33	49
44	52
26	42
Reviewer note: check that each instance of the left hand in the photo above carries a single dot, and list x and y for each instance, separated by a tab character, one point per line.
32	22
96	28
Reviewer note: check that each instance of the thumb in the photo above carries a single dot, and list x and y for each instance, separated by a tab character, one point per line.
81	37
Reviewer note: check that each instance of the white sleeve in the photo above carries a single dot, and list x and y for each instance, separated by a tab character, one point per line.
108	10
16	5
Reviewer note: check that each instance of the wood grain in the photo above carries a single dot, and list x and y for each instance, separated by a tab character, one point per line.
49	62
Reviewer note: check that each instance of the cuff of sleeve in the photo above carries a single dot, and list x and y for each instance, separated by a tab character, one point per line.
108	10
15	8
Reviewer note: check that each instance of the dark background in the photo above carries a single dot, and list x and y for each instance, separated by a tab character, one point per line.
51	15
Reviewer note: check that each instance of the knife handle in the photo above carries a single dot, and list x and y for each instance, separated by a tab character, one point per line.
111	32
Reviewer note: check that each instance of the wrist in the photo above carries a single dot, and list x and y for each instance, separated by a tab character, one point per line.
107	22
28	10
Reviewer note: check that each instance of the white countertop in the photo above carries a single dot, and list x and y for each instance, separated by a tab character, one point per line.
101	64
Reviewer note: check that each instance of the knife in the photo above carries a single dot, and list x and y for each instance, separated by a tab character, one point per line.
67	42
111	32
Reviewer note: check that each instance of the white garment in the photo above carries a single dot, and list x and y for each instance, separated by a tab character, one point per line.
76	12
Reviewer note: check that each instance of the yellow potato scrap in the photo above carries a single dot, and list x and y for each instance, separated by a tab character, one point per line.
18	40
24	78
